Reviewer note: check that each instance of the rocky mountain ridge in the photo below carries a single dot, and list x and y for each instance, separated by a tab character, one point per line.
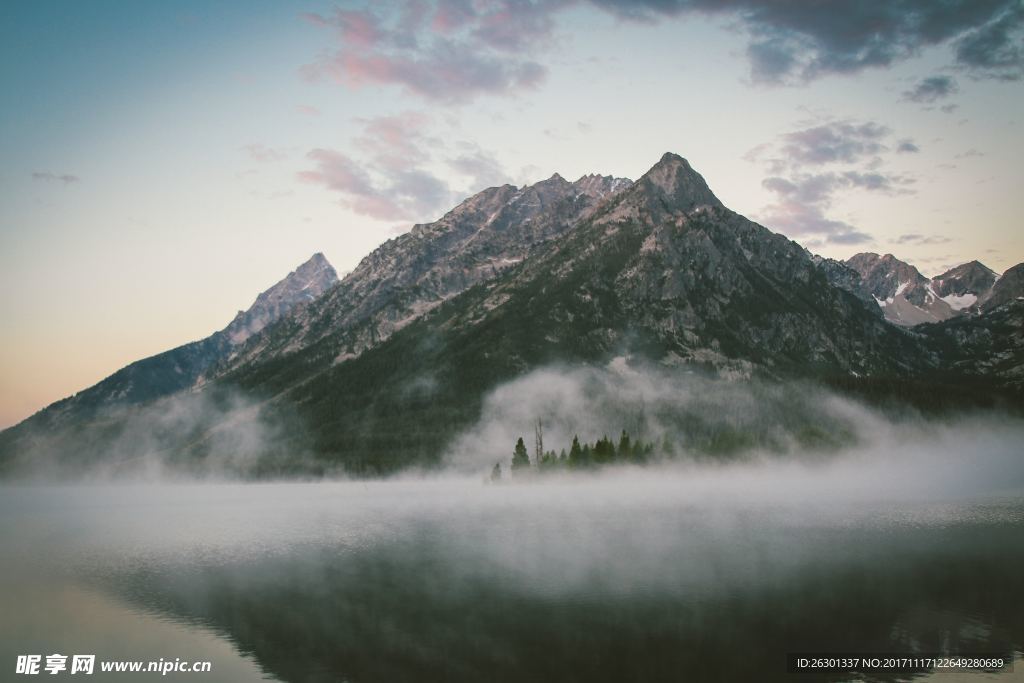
908	298
381	369
408	276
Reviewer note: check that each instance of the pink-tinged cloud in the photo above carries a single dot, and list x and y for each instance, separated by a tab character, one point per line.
513	27
452	15
475	49
807	220
855	154
448	73
356	28
406	194
397	142
307	109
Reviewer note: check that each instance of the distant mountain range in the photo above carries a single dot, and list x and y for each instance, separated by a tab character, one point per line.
909	298
383	367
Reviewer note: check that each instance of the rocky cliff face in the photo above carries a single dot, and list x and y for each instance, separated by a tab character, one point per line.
963	286
302	286
846	278
408	276
666	266
1009	287
903	293
990	345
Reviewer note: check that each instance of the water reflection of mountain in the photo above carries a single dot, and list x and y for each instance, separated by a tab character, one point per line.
453	603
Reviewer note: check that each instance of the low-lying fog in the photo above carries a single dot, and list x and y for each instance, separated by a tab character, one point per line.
902	534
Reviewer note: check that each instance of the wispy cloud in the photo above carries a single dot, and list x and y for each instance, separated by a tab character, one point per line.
996	48
481	167
802	41
456	50
907	146
47	176
930	89
450	52
263	154
390	173
810	167
918	239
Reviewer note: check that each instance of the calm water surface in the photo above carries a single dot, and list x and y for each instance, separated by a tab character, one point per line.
645	577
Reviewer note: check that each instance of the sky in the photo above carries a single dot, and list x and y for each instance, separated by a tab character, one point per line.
163	163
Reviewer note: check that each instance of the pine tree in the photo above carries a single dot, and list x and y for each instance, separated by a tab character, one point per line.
520	458
575	453
496	472
625	447
604	451
668	449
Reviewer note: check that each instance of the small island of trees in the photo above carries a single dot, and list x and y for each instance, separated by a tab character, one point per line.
602	453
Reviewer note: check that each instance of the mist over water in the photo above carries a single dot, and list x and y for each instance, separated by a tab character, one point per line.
869	532
703	571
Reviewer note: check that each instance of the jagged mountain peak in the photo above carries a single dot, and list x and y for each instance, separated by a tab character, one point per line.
970	269
965	284
677	184
304	284
888	267
599	186
1008	287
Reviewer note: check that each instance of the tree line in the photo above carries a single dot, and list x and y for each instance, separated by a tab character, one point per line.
585	456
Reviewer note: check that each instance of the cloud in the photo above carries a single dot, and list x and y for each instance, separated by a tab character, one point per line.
919	240
464	51
400	195
482	168
307	109
930	89
398	141
969	153
797	219
810	167
263	154
840	141
454	51
995	49
800	42
394	176
907	146
46	176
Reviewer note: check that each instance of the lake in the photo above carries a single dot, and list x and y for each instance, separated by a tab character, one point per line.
702	574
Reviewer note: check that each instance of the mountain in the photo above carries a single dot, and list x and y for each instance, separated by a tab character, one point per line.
410	275
843	276
1008	287
908	298
661	270
302	286
904	295
963	286
388	365
990	345
180	368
